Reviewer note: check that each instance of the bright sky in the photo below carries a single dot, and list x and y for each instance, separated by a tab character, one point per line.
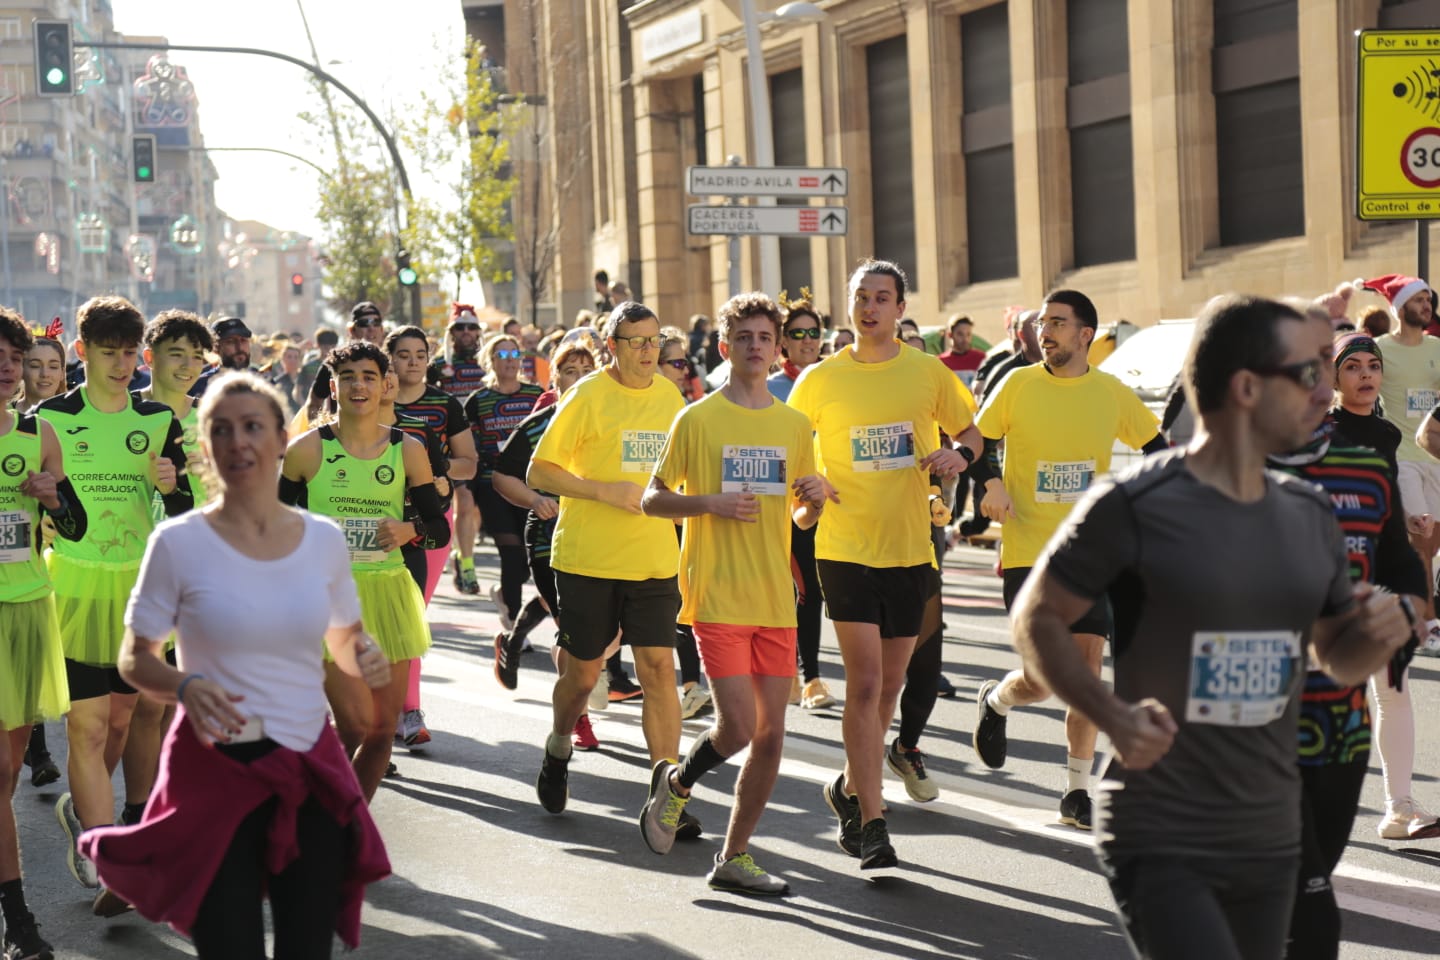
384	49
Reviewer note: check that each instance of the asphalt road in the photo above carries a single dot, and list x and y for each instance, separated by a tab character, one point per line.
482	871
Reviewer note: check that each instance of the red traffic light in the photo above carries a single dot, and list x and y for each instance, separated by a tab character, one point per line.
297	283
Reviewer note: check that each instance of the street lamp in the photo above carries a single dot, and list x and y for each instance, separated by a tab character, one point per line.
762	131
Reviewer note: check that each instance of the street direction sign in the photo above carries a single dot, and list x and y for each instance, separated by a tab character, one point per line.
730	220
767	181
1397	166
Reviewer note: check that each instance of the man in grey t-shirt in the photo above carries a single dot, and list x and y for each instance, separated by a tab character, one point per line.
1223	577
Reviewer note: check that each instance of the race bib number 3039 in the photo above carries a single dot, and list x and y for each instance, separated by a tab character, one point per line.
14	537
753	470
362	537
640	450
882	446
1062	481
1241	679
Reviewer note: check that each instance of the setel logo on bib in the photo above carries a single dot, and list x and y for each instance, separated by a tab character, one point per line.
640	450
753	470
882	446
1062	481
1241	679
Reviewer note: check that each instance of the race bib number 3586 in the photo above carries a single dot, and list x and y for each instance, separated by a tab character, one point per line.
640	450
1241	679
752	470
882	446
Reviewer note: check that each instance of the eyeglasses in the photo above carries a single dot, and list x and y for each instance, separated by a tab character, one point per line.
1307	373
507	354
640	343
803	333
679	363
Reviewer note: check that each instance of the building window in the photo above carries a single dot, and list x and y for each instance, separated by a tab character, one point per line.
787	117
1256	75
892	193
697	98
1102	168
987	138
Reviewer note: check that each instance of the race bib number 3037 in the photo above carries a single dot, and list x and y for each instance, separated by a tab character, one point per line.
362	537
14	537
753	470
1241	679
882	446
640	450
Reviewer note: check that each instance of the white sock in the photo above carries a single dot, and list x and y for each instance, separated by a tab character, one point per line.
994	701
1077	773
558	746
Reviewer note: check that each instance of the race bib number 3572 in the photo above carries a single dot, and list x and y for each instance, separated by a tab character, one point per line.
882	446
1241	679
752	470
640	450
362	537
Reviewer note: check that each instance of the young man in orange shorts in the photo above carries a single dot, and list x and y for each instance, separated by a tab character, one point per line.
747	466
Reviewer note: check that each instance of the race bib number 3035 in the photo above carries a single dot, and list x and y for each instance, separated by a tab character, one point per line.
640	450
362	537
882	446
753	470
1241	679
1062	481
14	537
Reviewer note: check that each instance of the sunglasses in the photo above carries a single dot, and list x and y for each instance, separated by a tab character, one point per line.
465	326
366	321
1307	373
679	363
640	343
507	354
802	333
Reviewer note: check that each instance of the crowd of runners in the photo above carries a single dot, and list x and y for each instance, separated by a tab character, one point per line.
149	490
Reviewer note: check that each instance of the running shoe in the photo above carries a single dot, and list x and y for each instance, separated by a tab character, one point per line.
507	622
741	874
1075	809
876	853
989	737
816	695
1430	645
689	826
507	662
109	904
392	772
909	765
795	690
23	941
1403	819
553	784
945	689
847	810
694	701
465	581
622	688
412	726
585	738
80	866
660	817
43	771
600	693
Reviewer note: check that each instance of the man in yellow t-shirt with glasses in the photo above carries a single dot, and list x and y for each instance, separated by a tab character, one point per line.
1059	420
615	568
878	409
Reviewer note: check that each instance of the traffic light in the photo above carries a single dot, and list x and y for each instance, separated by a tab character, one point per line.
405	273
142	157
54	58
297	283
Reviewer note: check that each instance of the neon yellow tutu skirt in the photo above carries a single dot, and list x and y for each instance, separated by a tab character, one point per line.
90	601
32	667
393	611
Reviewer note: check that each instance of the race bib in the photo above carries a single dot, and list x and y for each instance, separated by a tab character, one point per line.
883	446
640	450
1419	402
362	537
1062	481
1241	679
14	537
753	470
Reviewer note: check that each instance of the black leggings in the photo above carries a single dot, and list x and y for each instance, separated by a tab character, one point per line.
922	676
1331	794
304	897
808	610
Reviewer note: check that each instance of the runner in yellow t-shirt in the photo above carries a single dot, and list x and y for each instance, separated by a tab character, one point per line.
1059	421
877	409
614	567
747	465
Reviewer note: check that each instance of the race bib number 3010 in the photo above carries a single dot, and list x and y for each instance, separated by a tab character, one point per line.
640	450
14	537
753	470
1241	679
882	446
362	536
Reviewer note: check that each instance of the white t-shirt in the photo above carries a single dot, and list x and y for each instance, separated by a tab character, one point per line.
256	627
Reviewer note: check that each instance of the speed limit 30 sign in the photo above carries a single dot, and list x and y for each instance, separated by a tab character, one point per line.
1397	143
1420	158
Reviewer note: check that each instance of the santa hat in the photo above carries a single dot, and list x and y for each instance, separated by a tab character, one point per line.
1396	288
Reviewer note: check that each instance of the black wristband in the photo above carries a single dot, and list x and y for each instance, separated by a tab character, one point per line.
967	453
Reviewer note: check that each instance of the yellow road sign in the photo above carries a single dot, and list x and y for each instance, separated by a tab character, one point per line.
1397	144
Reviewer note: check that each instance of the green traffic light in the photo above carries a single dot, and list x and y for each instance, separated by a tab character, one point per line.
55	76
408	276
143	173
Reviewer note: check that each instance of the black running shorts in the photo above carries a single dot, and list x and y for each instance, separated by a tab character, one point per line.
594	609
87	682
1097	621
893	598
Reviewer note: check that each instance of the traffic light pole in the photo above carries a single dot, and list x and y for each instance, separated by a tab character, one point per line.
325	76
